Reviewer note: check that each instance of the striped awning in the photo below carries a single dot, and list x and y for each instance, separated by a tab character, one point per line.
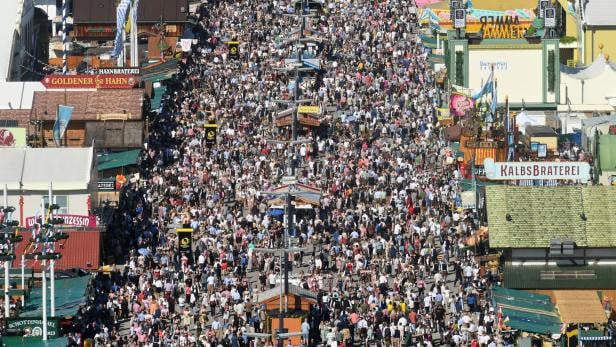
593	335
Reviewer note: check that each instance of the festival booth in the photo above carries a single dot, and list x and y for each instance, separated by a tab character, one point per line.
298	303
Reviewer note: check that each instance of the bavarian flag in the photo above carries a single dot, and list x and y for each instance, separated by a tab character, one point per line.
234	49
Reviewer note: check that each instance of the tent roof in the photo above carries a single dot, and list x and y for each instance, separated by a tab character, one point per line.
13	162
44	165
293	289
34	168
542	214
600	12
70	293
119	159
570	301
529	312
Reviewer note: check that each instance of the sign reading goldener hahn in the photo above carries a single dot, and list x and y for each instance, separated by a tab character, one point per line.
89	81
548	170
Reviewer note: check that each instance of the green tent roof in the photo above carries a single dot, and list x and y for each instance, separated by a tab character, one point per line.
159	71
566	277
119	159
539	215
11	341
528	312
157	97
70	293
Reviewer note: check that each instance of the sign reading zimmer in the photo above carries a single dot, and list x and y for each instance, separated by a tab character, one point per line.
536	170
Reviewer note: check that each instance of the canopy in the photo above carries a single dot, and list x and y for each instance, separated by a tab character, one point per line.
528	312
587	72
303	194
12	162
70	293
34	168
119	159
570	301
157	98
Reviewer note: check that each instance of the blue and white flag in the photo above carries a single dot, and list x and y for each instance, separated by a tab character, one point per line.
134	11
493	104
63	117
120	20
487	88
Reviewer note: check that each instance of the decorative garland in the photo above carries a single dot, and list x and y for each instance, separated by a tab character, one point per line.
459	68
551	75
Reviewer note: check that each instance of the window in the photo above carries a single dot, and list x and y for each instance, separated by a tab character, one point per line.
61	200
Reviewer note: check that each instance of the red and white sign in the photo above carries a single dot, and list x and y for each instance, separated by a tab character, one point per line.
69	219
89	81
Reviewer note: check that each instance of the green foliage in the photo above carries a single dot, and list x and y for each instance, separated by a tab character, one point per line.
460	68
531	31
567	39
551	73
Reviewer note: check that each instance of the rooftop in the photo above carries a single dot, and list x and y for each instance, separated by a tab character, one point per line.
540	130
89	104
539	215
600	12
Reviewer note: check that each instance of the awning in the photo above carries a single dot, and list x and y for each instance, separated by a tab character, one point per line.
159	71
67	168
585	108
570	301
70	294
157	97
116	160
528	312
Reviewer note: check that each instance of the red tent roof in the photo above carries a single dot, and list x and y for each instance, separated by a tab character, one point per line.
80	249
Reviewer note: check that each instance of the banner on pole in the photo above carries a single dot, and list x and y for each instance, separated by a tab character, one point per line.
234	49
185	241
63	117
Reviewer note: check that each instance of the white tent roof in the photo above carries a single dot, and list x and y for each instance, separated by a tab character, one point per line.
12	164
34	168
600	12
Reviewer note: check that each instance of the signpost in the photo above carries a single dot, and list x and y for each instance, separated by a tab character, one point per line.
89	81
501	171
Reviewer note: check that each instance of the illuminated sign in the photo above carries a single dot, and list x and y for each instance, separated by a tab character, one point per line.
89	81
502	27
547	170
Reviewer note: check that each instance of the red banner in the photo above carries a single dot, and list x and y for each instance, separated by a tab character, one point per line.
89	81
69	219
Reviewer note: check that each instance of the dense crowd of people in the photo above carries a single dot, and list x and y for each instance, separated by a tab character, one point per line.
390	265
